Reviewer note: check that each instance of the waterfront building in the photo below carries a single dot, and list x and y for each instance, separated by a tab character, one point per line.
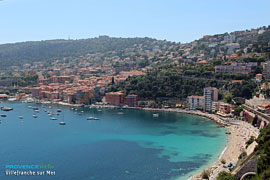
210	95
195	102
3	96
115	98
131	100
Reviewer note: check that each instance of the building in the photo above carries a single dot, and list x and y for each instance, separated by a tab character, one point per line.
258	77
223	109
266	69
242	68
131	100
210	95
115	98
195	102
3	97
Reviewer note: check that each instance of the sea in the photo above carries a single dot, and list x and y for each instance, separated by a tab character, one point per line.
123	144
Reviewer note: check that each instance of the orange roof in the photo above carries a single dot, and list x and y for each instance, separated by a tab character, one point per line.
3	96
202	62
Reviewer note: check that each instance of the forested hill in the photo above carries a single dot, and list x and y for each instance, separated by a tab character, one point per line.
27	52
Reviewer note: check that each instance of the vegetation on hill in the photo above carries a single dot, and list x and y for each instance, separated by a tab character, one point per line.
27	52
169	82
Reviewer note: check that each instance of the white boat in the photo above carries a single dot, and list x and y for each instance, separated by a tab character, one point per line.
90	118
120	113
62	123
35	116
20	117
59	110
53	118
156	115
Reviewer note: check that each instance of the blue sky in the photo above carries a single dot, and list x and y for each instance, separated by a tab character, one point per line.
174	20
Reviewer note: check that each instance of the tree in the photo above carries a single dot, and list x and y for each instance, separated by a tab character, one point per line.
237	110
228	97
225	176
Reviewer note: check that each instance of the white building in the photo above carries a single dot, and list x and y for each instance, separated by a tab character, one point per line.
210	95
195	102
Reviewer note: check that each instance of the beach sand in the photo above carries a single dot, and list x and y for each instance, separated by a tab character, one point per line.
240	133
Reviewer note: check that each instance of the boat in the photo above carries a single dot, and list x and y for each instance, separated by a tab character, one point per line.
90	118
3	115
156	115
120	113
99	110
37	111
49	114
59	110
82	111
62	123
96	118
53	118
6	109
35	108
20	117
35	116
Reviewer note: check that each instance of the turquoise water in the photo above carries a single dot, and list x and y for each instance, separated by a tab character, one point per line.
129	146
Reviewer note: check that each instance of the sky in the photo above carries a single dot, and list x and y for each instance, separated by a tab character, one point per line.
173	20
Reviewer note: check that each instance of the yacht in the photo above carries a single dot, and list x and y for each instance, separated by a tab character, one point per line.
3	115
35	116
20	117
90	118
53	118
59	110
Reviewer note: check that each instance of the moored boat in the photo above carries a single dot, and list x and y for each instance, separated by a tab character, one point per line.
62	123
156	115
6	109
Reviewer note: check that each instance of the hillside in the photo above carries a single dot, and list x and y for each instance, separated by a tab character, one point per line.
28	52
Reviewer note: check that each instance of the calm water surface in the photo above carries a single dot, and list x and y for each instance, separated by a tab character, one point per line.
129	146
